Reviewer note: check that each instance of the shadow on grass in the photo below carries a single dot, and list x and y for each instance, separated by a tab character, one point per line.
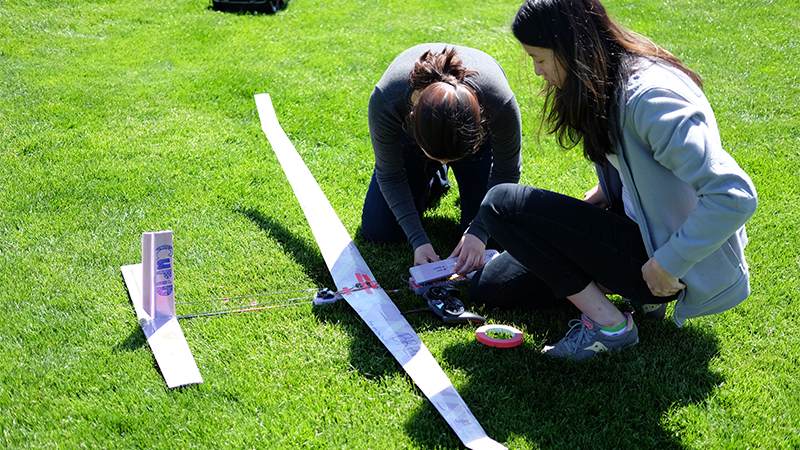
615	400
135	340
389	264
308	257
367	354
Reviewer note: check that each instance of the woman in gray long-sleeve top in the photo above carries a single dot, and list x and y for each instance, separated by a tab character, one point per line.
439	106
666	222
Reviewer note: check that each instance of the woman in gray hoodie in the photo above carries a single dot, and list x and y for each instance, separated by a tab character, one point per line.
666	220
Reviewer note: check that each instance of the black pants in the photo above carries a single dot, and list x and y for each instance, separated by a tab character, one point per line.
555	246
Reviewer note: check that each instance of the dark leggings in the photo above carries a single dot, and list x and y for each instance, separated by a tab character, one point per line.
556	246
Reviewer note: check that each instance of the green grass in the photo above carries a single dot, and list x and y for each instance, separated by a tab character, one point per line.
123	117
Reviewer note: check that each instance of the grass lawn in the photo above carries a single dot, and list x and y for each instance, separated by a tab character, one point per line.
120	117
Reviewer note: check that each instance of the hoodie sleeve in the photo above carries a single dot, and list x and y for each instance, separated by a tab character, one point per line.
681	132
385	125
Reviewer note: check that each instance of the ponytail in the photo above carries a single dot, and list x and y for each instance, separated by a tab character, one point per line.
445	67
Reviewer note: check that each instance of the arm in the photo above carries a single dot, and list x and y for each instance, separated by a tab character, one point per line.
385	124
505	130
505	127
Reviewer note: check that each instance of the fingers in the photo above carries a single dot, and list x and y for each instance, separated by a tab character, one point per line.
659	281
425	254
469	262
430	258
470	252
662	287
666	290
664	293
595	196
670	291
461	256
460	265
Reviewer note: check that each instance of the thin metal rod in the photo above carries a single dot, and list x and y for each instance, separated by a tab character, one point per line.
225	299
237	310
287	302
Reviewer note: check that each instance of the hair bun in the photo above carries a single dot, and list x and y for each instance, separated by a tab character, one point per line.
445	67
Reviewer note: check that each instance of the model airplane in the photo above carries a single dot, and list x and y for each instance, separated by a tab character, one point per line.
372	303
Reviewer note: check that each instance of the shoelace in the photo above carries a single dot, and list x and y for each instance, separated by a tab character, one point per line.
577	340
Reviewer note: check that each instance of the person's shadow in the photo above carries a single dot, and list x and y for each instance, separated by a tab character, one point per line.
615	400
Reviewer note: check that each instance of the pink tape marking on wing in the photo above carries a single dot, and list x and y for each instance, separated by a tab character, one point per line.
363	283
371	283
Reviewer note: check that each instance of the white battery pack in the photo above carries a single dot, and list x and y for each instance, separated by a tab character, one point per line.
441	269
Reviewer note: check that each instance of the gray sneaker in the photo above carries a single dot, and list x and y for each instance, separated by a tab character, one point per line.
584	339
650	310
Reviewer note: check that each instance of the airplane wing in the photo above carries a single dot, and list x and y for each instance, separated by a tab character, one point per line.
373	304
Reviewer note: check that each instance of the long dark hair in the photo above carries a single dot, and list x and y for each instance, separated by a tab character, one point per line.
597	54
446	120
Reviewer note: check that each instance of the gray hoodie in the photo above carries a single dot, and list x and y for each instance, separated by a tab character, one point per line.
690	197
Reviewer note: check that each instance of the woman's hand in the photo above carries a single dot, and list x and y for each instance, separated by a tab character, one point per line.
470	251
660	282
424	254
596	197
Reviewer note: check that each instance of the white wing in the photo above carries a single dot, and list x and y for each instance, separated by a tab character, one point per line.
373	305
